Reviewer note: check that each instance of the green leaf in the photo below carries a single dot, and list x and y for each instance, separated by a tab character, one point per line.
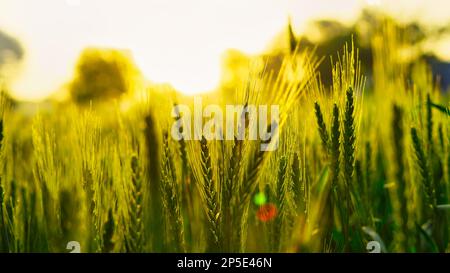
441	108
444	207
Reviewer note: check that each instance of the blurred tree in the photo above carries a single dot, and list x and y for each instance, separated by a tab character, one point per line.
103	74
328	36
11	53
10	48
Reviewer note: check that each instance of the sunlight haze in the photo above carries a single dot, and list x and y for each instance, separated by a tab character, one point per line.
176	42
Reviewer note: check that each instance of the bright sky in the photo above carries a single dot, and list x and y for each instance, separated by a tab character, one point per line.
175	41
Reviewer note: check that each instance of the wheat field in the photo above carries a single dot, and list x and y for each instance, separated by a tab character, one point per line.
355	163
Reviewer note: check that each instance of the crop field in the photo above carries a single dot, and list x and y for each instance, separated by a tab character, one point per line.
360	160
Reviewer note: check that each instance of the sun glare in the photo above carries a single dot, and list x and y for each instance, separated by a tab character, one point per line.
176	42
172	41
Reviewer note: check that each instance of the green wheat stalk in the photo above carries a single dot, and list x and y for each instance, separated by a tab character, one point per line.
335	147
297	180
155	209
211	197
135	238
429	121
227	190
398	141
349	139
171	199
323	132
424	172
282	189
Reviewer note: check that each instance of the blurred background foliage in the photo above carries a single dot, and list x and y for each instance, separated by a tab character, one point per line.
327	37
102	74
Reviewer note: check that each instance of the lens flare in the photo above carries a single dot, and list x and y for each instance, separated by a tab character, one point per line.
260	199
267	213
